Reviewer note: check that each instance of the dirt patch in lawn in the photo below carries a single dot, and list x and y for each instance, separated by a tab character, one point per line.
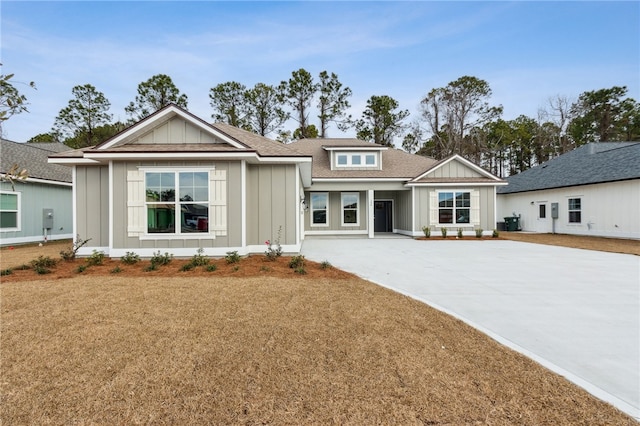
613	245
153	349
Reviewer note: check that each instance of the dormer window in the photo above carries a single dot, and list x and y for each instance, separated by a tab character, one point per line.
355	159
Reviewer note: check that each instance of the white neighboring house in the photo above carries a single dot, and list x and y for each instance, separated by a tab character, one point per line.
39	208
592	190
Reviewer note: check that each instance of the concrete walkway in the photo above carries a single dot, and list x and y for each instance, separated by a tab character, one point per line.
577	312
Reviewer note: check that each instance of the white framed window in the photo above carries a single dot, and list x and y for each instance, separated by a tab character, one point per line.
319	209
354	159
350	209
454	207
575	210
177	202
10	203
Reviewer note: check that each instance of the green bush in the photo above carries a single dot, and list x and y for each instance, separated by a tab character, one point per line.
199	259
159	259
479	232
96	258
116	270
4	272
273	253
443	230
40	270
187	267
130	258
495	233
81	268
326	265
211	268
232	257
459	232
69	254
43	262
427	231
296	262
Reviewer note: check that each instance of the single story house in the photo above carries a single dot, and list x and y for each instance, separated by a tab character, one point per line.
38	208
175	183
592	190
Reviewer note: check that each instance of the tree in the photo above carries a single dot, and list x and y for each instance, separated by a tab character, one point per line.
312	132
452	111
13	175
79	119
154	94
228	102
264	111
298	92
598	116
100	134
332	103
380	121
11	100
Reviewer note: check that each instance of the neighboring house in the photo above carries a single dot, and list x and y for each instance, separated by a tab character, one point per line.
592	190
174	183
39	208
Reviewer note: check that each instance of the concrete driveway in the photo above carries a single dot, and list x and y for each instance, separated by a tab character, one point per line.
577	312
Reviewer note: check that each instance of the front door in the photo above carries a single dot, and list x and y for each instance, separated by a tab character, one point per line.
542	213
382	216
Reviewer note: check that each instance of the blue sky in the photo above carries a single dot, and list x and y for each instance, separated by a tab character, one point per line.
526	51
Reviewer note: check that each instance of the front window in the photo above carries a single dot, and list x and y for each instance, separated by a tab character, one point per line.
575	210
319	210
350	202
10	211
454	207
186	213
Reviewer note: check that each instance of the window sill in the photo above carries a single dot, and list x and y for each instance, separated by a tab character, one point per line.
199	236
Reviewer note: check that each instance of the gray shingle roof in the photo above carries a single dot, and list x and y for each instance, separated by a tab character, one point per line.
33	157
589	164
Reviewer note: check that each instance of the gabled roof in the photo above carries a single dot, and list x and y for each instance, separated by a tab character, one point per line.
33	157
477	174
589	164
395	163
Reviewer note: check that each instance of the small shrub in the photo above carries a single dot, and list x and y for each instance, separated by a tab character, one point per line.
159	259
40	270
96	258
69	254
211	268
265	269
187	267
443	230
116	270
479	232
199	259
236	268
232	257
43	262
130	258
273	253
151	267
7	271
81	268
459	232
495	233
23	267
300	270
326	265
427	231
296	262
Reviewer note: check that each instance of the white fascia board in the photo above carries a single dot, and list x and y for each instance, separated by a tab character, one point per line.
465	162
49	182
360	179
285	159
163	116
170	155
461	184
71	161
355	148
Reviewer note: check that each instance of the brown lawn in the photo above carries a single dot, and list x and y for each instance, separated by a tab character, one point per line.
257	344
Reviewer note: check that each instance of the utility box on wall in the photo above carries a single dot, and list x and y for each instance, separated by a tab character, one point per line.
554	210
47	218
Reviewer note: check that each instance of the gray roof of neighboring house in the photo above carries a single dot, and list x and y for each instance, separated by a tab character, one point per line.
395	163
589	164
33	157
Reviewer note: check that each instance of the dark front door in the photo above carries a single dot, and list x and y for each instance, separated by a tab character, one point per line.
382	219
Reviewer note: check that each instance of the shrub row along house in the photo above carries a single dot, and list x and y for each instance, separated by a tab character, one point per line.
175	183
38	207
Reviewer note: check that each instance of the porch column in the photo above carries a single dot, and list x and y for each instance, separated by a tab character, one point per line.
370	211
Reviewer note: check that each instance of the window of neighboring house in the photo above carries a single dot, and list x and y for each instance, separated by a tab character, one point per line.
454	207
350	203
542	211
319	209
186	213
575	210
10	211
